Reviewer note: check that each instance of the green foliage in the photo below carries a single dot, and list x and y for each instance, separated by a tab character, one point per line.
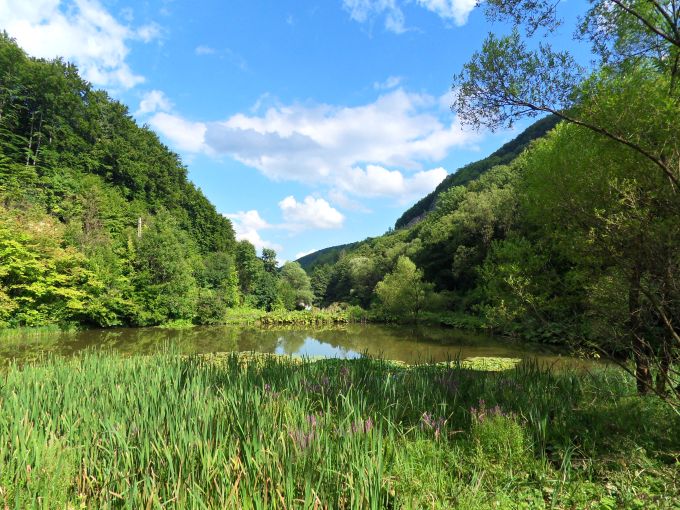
295	287
164	272
76	175
403	292
473	171
230	431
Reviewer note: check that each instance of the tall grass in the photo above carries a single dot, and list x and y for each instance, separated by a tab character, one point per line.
162	431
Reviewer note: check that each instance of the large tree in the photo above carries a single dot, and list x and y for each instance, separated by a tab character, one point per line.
513	76
630	98
403	292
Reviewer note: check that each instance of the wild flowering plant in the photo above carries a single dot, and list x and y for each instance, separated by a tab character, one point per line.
482	413
303	438
361	426
429	422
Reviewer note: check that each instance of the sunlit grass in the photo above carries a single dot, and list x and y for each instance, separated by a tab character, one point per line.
260	431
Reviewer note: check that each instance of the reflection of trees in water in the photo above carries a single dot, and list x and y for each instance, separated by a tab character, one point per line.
291	342
419	344
410	344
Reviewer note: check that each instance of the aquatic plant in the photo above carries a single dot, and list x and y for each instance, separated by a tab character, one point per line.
260	431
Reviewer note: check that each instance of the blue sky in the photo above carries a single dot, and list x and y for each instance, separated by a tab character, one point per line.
308	123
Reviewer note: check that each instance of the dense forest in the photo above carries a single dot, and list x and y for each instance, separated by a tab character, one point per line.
99	224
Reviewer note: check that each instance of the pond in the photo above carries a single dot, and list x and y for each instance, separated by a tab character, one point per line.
407	344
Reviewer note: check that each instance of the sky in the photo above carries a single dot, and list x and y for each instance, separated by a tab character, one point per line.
307	123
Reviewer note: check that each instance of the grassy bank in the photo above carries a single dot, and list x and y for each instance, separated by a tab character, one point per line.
252	316
266	432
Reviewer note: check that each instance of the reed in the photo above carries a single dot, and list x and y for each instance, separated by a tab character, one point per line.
259	431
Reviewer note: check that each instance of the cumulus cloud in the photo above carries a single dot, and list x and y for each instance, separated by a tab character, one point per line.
247	225
310	213
81	31
364	11
184	135
154	101
375	181
383	148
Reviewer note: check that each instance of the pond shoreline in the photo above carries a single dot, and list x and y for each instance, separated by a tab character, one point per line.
413	344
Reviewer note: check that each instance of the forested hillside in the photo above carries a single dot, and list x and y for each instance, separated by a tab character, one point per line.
460	177
99	224
472	171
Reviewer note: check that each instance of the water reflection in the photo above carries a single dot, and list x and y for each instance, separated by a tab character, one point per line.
411	345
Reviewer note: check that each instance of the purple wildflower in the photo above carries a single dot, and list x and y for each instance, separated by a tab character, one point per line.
431	423
302	439
361	426
481	413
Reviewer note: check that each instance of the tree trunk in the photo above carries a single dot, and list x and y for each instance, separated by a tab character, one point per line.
640	348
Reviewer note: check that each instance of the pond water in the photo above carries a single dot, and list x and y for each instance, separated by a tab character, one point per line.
408	344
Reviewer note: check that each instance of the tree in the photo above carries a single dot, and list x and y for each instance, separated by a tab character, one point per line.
631	101
319	279
403	292
220	274
622	225
295	286
508	79
269	260
164	272
248	266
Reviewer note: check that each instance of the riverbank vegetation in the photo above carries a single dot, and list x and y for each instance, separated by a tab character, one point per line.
274	432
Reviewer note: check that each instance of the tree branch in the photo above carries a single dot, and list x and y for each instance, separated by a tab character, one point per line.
597	129
647	23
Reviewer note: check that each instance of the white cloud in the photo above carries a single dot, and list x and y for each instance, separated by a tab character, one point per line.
390	83
205	50
81	31
325	144
154	101
364	11
310	213
374	181
247	225
184	135
341	199
150	32
455	10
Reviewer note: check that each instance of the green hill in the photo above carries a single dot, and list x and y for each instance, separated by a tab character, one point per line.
78	177
461	177
328	255
472	171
